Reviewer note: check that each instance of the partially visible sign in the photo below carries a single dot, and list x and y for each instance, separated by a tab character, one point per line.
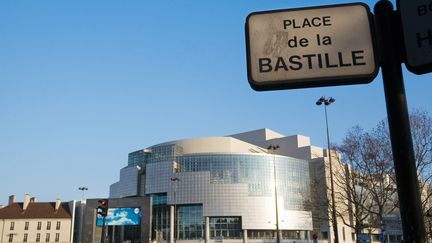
310	47
121	216
363	238
393	224
417	29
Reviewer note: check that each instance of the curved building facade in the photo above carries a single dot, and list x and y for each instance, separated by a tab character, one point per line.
224	188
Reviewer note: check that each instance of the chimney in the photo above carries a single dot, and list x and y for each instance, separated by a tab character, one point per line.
26	201
57	205
11	199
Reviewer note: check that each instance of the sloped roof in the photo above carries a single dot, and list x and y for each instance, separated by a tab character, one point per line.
35	210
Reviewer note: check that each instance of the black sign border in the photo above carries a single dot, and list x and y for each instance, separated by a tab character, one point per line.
313	82
421	69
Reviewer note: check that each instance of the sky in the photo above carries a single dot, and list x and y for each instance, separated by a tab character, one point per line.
84	83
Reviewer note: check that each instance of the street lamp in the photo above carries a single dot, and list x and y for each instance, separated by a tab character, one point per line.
141	171
174	180
141	168
327	102
82	189
273	148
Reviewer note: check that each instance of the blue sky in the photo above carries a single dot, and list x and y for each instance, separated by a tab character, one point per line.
83	83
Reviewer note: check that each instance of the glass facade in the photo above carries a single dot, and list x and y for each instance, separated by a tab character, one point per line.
256	171
271	234
124	233
164	153
159	199
261	234
128	184
137	158
294	234
225	227
190	222
160	217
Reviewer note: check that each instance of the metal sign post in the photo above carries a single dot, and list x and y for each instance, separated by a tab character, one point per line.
103	236
400	132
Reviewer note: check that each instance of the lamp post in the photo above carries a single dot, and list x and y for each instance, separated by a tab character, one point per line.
141	171
272	148
175	180
327	102
82	189
141	168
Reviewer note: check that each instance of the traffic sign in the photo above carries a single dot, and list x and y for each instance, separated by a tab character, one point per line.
310	47
416	16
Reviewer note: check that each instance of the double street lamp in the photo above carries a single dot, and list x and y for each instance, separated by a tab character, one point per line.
82	189
327	102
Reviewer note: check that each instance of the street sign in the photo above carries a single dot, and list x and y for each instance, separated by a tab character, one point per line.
310	47
416	16
363	238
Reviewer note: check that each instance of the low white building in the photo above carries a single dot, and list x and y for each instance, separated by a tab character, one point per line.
31	221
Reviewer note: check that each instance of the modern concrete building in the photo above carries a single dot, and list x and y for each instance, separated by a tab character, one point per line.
31	221
238	188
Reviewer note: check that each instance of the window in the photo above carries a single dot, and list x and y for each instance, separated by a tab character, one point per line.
324	235
57	239
58	225
10	237
26	226
39	226
225	227
294	234
12	225
190	222
48	225
161	217
38	237
25	237
343	233
254	171
259	234
47	237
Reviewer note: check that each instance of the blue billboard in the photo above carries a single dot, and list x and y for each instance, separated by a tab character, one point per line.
121	216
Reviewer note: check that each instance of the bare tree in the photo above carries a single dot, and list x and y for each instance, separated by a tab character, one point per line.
370	182
421	131
369	188
354	193
379	172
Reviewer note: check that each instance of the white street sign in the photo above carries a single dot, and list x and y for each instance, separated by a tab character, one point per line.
310	47
417	28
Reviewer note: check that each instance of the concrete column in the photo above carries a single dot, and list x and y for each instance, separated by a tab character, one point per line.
245	239
207	230
172	223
